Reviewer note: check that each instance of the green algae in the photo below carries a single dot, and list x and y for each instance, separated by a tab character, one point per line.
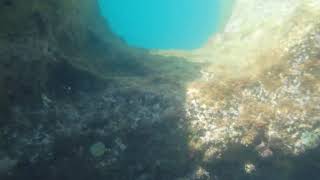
310	140
98	149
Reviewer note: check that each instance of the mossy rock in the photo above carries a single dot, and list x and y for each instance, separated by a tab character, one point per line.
4	105
98	149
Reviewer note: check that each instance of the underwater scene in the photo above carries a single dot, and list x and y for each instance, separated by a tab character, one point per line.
160	90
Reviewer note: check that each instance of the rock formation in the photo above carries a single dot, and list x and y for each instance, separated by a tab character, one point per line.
77	103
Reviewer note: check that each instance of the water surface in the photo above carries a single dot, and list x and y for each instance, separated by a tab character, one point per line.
165	24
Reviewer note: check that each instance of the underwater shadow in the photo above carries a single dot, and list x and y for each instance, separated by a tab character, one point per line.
137	116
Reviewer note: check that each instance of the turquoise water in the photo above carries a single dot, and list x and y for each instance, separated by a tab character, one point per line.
162	24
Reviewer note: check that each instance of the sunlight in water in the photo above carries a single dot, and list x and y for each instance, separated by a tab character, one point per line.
165	24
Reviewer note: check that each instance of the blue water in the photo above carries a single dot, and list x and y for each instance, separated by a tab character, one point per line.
162	24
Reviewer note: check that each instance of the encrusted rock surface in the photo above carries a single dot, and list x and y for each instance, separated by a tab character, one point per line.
78	103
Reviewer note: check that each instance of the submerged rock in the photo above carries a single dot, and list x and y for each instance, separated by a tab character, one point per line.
98	149
7	164
69	87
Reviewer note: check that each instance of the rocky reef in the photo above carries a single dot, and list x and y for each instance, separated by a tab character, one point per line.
77	103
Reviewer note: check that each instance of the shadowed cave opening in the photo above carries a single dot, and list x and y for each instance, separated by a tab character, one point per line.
164	24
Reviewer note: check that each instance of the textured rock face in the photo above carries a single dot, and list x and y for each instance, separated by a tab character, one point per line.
245	106
66	82
48	46
262	82
260	88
